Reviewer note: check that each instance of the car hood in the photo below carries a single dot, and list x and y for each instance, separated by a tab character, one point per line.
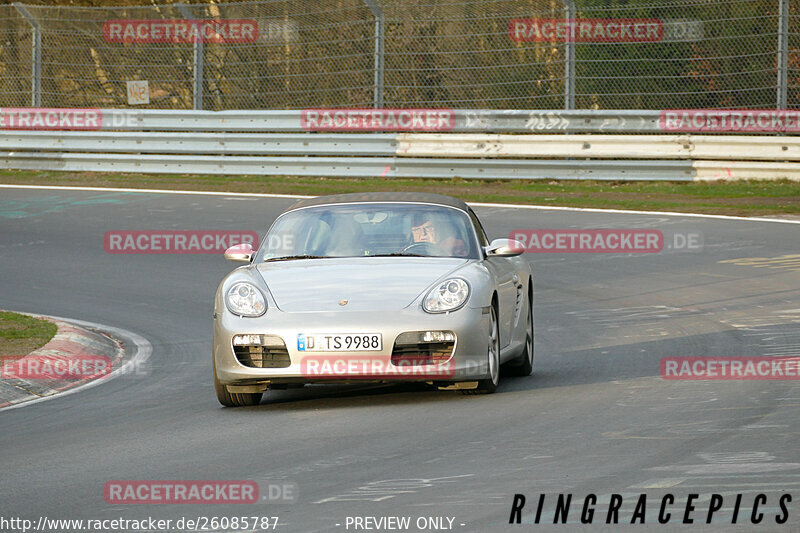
367	283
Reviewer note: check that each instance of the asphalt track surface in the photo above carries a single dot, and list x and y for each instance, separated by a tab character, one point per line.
595	418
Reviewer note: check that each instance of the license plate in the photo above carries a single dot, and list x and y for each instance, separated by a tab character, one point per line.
339	342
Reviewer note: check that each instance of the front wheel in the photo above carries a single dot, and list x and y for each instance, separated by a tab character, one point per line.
489	385
523	365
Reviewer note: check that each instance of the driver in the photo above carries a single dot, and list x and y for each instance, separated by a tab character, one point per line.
440	235
425	231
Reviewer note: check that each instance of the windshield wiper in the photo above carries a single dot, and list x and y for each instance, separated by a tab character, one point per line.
291	257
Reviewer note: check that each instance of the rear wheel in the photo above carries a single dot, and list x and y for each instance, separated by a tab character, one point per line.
234	399
489	385
523	365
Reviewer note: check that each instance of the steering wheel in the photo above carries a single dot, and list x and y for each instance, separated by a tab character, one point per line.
431	248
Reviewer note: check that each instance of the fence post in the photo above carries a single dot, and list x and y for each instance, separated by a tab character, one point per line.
783	53
377	12
569	57
36	55
197	61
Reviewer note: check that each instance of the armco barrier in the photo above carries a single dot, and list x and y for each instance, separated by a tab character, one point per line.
500	121
223	142
385	167
453	145
317	144
719	147
410	120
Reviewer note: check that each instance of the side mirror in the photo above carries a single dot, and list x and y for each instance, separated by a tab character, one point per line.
241	253
504	248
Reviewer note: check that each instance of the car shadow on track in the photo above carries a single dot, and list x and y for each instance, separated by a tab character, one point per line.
370	395
352	396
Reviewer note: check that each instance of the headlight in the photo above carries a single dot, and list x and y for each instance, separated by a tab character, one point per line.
245	299
449	295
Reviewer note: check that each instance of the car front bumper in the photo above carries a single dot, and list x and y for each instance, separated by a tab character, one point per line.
468	363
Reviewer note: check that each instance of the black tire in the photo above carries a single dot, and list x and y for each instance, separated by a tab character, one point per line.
235	399
489	385
523	365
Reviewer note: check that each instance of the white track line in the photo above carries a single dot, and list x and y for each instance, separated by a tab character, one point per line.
152	191
477	204
143	351
633	212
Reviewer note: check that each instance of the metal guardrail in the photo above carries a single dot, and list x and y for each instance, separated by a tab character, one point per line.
385	167
316	144
465	121
501	121
224	142
405	167
473	145
785	121
718	147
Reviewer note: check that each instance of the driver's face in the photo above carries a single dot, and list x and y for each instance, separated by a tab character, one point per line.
424	233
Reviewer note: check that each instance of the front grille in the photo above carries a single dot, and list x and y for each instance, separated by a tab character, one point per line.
271	355
422	353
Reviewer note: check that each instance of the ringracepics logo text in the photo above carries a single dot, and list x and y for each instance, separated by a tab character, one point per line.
175	242
645	509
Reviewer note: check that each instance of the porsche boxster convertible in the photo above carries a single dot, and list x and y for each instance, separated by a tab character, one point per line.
376	287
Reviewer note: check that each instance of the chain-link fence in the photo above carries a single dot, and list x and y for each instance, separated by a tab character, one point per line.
495	54
793	59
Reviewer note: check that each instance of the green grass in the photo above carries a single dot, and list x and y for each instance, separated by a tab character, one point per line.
750	198
22	334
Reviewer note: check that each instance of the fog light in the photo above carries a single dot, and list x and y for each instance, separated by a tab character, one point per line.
438	336
246	340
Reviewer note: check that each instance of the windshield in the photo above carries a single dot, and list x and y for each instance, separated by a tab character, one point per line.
361	230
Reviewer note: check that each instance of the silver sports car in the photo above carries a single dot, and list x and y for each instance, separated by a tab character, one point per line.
373	287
